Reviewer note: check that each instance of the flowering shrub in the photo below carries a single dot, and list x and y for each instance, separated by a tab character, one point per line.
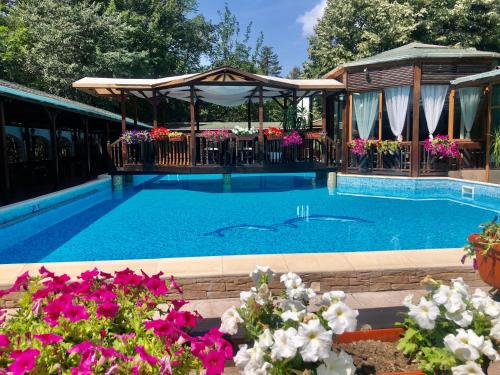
361	146
489	239
239	130
277	132
388	147
105	324
215	135
287	339
159	134
442	147
291	139
450	331
131	137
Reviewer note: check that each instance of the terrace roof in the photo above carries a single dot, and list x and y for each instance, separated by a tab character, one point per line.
492	76
415	51
224	86
17	91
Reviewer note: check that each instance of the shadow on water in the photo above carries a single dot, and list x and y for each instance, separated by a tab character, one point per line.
37	247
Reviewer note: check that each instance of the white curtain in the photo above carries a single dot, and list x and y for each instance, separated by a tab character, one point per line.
469	101
396	101
366	109
433	98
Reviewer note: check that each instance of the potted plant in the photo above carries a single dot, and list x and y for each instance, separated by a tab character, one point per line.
132	137
484	249
245	134
160	134
176	136
451	330
440	150
495	157
362	149
316	135
389	150
273	133
215	135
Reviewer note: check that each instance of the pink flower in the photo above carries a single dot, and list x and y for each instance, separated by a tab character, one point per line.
182	319
174	285
24	361
107	310
145	356
178	303
75	313
82	347
155	285
45	272
293	138
55	308
89	275
4	341
21	282
213	362
48	338
127	277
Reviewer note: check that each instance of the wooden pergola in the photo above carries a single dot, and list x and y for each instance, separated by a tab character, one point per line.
225	86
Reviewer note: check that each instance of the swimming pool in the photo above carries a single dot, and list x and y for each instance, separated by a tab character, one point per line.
196	215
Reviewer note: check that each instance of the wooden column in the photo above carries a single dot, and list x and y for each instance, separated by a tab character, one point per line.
294	104
415	144
53	145
154	103
350	117
323	123
345	126
451	113
124	126
192	113
86	141
106	131
4	165
135	113
380	109
261	124
249	113
197	110
489	99
310	118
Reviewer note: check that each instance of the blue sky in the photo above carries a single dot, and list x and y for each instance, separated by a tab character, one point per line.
285	23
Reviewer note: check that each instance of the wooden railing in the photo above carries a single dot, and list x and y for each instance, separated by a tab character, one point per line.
397	163
232	151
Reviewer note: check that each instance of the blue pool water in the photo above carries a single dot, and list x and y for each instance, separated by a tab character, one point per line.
173	216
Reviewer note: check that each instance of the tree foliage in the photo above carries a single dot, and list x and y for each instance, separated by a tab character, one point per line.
352	29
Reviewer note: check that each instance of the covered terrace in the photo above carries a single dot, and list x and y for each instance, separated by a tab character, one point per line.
193	151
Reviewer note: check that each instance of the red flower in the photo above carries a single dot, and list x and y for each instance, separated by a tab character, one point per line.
107	310
24	361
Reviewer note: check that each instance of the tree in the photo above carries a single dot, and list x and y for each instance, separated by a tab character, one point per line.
269	62
352	29
295	73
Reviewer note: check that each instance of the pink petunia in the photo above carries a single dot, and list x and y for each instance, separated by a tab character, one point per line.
48	338
4	341
145	356
89	275
156	285
75	313
45	272
24	361
107	310
81	347
213	362
127	277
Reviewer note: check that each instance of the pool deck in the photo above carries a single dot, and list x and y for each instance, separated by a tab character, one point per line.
225	276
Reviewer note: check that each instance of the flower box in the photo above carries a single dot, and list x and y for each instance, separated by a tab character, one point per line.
313	136
177	139
488	265
245	137
274	137
385	335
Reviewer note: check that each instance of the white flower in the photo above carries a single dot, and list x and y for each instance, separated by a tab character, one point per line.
333	297
313	340
449	298
262	370
485	304
462	317
292	310
408	301
246	296
291	280
470	368
460	286
495	329
251	361
488	350
341	318
301	293
263	295
337	364
425	313
242	357
265	339
284	344
262	274
230	320
465	345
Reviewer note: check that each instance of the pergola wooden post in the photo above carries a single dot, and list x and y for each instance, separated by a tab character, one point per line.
451	113
124	126
415	137
86	138
294	104
53	144
249	113
345	126
489	99
5	184
154	102
135	113
323	122
310	114
192	113
261	123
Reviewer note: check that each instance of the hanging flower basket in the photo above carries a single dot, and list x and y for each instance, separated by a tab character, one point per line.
273	134
215	135
245	134
245	137
292	139
176	137
160	134
313	135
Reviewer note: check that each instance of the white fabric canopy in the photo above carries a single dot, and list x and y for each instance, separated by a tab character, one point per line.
396	100
365	108
433	98
469	101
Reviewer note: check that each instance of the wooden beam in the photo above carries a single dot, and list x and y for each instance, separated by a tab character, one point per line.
86	139
323	111
415	138
310	114
135	112
380	108
282	106
294	104
53	144
154	104
4	167
197	111
345	131
451	113
124	125
192	113
489	99
249	113
261	124
350	117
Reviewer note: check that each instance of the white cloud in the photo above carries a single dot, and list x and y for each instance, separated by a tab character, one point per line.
310	18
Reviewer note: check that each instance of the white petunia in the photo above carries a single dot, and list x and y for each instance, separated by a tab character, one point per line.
408	301
265	339
465	345
337	364
341	318
451	299
263	295
247	296
460	286
251	361
462	317
485	304
291	280
470	368
489	351
262	274
495	329
292	310
334	296
242	357
284	344
230	320
425	313
313	341
300	294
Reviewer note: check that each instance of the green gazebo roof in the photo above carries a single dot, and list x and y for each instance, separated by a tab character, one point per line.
486	77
